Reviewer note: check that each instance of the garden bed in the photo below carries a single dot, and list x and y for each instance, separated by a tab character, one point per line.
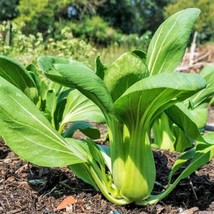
25	188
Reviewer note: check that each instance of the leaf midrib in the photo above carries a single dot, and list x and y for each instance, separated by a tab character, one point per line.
160	48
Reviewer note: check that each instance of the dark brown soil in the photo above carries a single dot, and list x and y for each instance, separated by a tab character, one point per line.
28	189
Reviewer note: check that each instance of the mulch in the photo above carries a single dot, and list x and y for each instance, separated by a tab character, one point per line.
26	188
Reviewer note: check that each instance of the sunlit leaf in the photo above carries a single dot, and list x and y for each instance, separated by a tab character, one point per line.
29	134
76	75
125	71
169	42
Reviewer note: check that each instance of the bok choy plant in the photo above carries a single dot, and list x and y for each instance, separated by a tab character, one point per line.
131	93
167	135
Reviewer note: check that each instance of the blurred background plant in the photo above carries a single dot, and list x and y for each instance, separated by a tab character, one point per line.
27	48
8	9
82	29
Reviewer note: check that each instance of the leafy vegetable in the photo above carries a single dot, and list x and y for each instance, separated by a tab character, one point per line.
131	94
169	42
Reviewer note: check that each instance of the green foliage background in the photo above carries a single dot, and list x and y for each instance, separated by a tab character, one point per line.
111	26
8	9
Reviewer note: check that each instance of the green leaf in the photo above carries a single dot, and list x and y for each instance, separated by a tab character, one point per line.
125	71
81	171
97	164
198	103
200	155
105	151
200	115
91	132
163	135
181	116
155	94
140	54
100	68
95	153
60	107
182	159
34	73
76	75
182	139
205	95
18	76
80	108
85	127
51	103
203	154
209	137
29	134
169	42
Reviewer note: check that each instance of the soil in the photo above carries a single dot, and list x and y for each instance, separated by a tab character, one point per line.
29	189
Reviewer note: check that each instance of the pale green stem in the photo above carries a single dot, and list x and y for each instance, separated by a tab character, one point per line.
132	160
117	152
139	167
60	130
103	188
